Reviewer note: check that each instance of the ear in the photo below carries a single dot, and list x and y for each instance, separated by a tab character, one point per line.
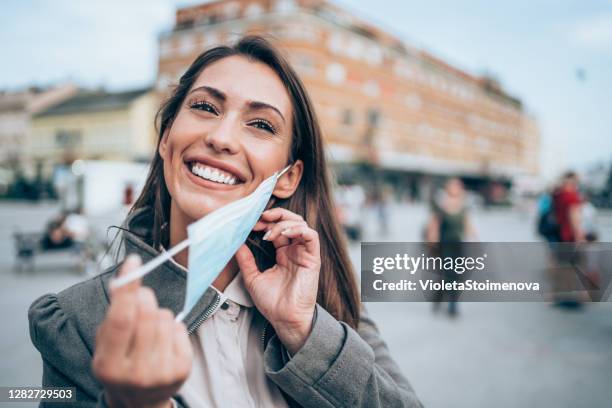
289	182
163	144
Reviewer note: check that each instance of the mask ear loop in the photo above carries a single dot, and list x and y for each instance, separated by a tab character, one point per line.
279	174
283	171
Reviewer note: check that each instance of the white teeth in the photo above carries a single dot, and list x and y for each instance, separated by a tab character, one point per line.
213	174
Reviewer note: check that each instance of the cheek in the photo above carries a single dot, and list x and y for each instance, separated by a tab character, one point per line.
169	176
171	161
178	139
267	155
184	131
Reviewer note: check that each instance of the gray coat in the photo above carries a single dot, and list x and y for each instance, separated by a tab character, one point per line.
336	367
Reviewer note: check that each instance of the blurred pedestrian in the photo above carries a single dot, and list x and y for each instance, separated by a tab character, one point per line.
380	201
588	215
77	226
592	270
56	236
547	225
567	206
350	200
128	195
449	225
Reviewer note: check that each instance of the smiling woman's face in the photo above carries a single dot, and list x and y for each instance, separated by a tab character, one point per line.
232	132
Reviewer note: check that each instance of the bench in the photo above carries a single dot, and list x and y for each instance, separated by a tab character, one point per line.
82	257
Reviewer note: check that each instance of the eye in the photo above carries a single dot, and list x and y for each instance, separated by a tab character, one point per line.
204	106
263	125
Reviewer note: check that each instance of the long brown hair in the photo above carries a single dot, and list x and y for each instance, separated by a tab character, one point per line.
312	200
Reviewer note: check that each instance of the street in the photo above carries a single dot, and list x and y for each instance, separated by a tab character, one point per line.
492	354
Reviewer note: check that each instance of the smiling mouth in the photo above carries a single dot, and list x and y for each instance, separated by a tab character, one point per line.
213	174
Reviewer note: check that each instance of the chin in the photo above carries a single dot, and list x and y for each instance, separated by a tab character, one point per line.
196	210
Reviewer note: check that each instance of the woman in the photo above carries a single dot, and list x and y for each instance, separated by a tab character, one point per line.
449	225
290	336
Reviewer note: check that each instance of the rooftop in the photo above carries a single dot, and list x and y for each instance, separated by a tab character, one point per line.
95	101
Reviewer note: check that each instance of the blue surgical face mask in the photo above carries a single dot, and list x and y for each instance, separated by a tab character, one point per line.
215	238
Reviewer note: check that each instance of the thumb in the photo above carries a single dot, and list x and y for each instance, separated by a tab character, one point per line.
246	263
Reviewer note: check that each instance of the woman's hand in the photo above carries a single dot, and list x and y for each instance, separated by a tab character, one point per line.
286	294
142	355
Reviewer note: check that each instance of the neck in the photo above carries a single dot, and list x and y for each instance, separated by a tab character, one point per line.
178	233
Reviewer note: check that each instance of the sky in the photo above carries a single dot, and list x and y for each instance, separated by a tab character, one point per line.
555	55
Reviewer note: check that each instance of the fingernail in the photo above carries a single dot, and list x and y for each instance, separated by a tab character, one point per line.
267	235
133	259
286	231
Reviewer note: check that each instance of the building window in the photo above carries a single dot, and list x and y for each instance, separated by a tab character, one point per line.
347	117
371	88
68	138
186	45
335	73
355	48
304	64
373	117
335	42
374	55
231	10
254	10
285	5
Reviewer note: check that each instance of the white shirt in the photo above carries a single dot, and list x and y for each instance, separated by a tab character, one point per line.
228	369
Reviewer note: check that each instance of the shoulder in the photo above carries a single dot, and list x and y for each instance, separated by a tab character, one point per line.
71	315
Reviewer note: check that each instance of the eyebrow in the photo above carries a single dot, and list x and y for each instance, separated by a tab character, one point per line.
209	89
252	104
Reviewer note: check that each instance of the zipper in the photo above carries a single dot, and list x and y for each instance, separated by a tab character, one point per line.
207	313
263	336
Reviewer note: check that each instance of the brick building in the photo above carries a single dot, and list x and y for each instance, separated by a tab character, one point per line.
381	102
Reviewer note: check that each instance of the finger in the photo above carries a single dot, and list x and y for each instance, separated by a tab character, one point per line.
246	263
183	352
131	263
261	225
116	332
310	237
274	233
146	330
279	214
165	345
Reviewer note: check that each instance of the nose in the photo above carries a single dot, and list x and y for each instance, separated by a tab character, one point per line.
223	137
